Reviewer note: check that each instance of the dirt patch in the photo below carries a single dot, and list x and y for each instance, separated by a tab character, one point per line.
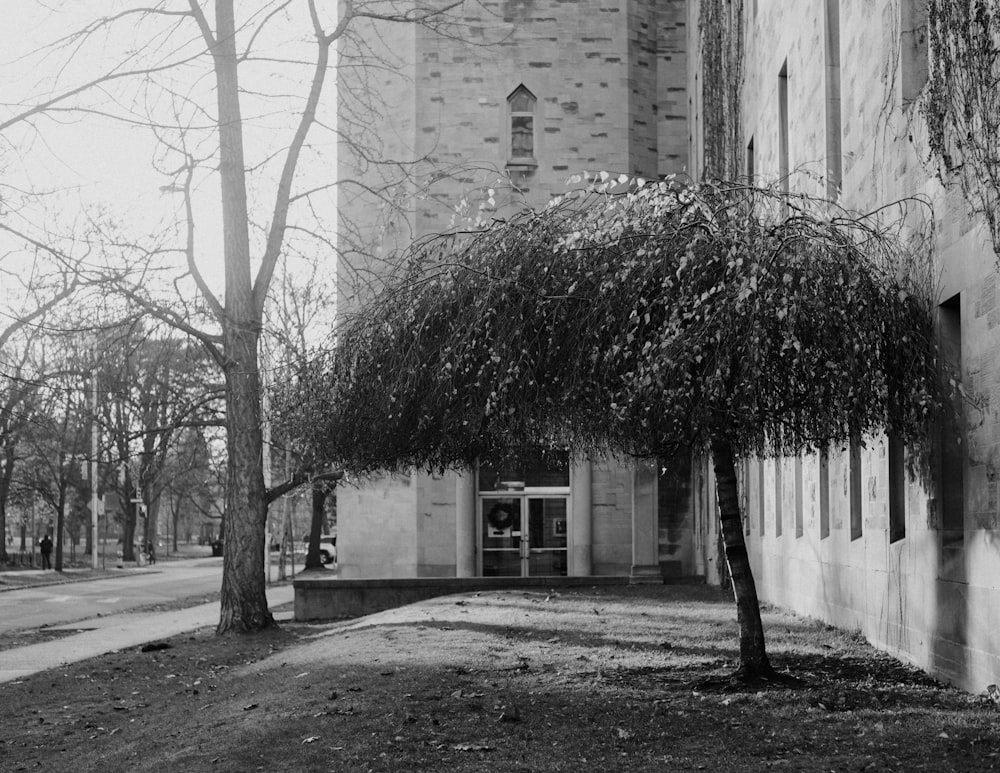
603	679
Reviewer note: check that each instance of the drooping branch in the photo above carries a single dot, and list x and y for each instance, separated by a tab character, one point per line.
300	479
643	324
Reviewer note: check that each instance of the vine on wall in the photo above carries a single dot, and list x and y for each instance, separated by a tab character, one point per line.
962	107
720	23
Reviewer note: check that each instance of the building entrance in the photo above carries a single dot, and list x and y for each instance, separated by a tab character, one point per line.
523	535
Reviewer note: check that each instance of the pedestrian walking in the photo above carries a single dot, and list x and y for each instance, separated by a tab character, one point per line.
45	546
150	554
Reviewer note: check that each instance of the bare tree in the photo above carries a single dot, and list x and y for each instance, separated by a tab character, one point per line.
54	445
153	385
209	86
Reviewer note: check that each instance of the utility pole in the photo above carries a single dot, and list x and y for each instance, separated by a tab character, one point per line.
93	470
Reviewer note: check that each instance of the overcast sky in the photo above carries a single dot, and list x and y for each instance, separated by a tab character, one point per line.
88	163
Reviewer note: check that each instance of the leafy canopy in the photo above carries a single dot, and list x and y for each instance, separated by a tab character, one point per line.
643	323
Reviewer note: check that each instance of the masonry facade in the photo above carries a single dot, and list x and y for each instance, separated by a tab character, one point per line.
530	93
819	97
829	104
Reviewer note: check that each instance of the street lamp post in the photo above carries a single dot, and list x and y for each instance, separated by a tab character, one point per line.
93	470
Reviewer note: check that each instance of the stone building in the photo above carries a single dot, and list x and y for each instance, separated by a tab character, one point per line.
499	116
827	99
822	97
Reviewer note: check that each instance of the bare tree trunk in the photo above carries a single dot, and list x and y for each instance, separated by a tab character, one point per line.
89	535
5	480
244	599
128	533
175	517
319	493
129	520
754	663
60	523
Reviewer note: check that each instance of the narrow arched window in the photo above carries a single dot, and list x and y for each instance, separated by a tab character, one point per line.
521	105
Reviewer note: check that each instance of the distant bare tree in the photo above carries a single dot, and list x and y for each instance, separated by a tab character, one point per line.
236	96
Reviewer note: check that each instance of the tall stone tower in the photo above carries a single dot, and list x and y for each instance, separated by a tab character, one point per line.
477	119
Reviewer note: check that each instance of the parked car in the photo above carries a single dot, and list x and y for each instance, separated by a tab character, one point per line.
328	548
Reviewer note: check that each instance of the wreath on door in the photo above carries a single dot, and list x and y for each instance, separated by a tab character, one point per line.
501	516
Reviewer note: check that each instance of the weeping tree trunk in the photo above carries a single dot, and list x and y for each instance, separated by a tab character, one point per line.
753	654
319	493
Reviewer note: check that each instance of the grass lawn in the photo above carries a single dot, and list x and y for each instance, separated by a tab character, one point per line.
601	679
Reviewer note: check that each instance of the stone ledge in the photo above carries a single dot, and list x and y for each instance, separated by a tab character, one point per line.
330	598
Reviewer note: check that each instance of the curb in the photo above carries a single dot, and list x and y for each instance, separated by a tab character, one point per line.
113	574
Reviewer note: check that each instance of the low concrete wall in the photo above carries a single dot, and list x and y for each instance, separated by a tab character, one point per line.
330	598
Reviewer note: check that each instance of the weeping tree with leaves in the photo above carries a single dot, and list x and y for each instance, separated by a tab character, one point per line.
718	318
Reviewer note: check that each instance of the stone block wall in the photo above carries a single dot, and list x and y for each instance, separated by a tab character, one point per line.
611	500
377	527
608	76
436	524
923	598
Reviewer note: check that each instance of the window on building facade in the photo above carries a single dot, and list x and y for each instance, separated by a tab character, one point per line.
744	483
824	494
897	489
783	156
521	108
532	469
854	486
834	152
779	495
762	499
798	497
912	49
952	475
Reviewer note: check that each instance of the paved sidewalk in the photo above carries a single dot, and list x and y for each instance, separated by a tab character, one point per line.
114	632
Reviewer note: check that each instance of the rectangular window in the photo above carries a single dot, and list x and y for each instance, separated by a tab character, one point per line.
778	496
798	497
760	490
745	478
521	106
824	494
897	489
834	153
783	159
854	491
912	49
952	476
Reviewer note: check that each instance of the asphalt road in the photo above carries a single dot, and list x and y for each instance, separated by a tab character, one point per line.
68	602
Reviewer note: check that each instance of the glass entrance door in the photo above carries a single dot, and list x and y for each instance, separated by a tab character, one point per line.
545	551
524	535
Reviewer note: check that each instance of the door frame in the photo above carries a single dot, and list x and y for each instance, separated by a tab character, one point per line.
524	494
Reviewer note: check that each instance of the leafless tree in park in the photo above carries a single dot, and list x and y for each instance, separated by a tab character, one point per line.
36	281
153	385
237	98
